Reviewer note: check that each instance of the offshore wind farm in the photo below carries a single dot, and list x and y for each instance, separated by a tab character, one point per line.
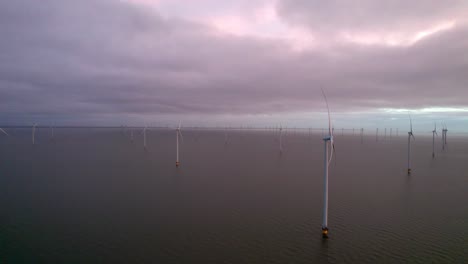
268	131
94	189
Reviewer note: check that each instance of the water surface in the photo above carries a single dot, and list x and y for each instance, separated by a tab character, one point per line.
94	196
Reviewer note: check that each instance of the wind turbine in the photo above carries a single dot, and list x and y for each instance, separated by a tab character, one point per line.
4	132
51	133
178	133
445	137
144	137
362	135
327	159
410	135
34	133
225	136
280	139
434	133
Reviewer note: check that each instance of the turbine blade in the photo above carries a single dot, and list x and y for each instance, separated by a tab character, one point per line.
181	137
328	109
411	122
1	129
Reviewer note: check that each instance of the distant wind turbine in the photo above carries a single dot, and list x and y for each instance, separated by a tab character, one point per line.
51	133
178	133
225	136
281	139
144	137
362	135
445	135
34	133
327	159
376	134
434	133
410	135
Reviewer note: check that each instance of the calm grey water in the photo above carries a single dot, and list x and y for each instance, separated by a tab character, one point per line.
93	196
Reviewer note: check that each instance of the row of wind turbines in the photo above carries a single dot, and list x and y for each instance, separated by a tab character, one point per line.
329	151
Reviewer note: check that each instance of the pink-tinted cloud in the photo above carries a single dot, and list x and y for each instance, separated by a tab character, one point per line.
99	58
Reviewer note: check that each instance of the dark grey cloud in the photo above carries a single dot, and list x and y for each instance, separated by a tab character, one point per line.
85	59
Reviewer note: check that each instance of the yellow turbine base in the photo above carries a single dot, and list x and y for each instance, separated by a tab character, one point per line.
177	164
324	232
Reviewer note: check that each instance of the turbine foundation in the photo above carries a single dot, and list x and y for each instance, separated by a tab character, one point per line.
325	232
177	164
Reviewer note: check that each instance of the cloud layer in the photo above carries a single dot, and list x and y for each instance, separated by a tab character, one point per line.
88	60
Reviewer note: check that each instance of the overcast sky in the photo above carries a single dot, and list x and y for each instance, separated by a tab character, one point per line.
210	62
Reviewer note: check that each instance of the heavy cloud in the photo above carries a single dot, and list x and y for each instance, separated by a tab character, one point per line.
98	58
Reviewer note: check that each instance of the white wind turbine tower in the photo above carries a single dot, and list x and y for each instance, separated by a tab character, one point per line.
434	133
144	137
4	132
327	159
281	139
362	135
410	135
34	133
178	133
445	134
52	132
225	136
